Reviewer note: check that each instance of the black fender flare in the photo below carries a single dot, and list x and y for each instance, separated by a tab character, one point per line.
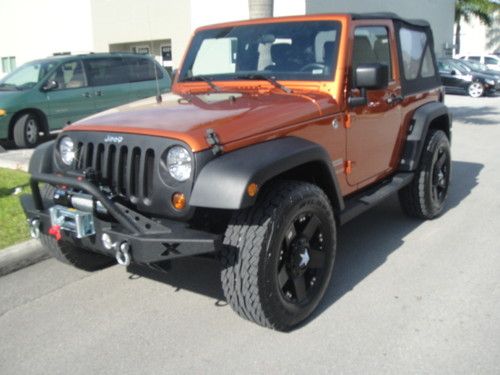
419	126
41	160
223	182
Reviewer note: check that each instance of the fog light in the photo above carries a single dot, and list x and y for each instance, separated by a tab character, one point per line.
107	242
179	201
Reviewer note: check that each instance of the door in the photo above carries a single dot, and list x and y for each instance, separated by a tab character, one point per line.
72	99
450	76
374	127
109	80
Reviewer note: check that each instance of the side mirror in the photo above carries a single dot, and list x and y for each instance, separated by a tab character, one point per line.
453	72
369	77
50	85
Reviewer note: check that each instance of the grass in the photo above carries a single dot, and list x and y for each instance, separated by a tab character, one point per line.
13	228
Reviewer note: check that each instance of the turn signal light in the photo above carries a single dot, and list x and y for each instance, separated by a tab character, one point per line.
178	201
252	189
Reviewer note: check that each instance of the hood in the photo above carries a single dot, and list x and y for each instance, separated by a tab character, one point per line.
7	97
233	116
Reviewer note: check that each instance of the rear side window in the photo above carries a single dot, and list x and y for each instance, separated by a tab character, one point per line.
106	71
491	60
416	54
143	69
475	58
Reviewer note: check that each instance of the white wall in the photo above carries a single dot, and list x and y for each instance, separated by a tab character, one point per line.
475	37
439	13
31	29
124	21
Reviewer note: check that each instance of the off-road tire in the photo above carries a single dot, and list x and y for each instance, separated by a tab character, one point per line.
417	199
26	131
252	251
69	253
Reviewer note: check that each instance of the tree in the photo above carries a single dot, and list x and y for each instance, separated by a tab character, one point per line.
465	9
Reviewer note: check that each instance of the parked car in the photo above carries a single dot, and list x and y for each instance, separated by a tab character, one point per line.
491	61
480	68
457	78
46	95
277	132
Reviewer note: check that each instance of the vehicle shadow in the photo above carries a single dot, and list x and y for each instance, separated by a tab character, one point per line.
476	115
364	245
10	145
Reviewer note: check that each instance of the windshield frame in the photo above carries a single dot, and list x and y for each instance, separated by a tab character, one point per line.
207	32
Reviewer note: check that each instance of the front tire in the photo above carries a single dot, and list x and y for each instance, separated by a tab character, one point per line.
426	195
68	253
27	131
278	255
475	89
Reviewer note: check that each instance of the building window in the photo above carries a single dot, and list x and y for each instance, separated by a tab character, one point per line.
8	64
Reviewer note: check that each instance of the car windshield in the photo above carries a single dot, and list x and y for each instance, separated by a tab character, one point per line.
26	76
284	51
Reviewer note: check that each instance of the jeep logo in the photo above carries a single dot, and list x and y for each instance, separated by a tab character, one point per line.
113	139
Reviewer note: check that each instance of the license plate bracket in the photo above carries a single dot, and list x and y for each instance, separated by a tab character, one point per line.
80	223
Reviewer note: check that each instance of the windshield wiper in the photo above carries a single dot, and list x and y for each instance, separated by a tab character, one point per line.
204	79
9	86
263	77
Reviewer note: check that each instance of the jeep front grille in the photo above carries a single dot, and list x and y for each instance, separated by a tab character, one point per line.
128	171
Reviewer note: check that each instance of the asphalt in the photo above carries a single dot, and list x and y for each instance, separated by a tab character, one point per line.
406	296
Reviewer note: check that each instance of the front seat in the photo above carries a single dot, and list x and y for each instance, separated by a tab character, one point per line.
281	54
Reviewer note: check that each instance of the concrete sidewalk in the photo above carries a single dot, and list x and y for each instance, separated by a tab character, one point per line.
16	159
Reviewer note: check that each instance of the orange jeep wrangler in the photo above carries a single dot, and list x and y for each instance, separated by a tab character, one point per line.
277	132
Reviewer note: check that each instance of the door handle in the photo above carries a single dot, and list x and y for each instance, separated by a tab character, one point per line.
98	93
394	99
86	95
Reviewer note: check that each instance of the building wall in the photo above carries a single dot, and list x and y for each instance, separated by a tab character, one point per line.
476	38
440	14
127	21
31	29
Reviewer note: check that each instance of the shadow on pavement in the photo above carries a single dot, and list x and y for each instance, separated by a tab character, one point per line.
364	245
10	145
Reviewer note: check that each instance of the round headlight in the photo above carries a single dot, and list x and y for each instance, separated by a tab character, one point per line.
67	150
179	163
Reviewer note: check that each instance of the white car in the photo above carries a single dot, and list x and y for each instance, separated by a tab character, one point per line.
491	61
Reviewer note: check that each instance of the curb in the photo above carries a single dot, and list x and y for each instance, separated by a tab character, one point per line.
11	164
21	255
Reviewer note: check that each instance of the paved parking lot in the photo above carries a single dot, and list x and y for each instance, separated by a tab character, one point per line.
406	296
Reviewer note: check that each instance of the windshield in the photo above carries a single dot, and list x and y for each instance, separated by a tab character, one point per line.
26	76
287	51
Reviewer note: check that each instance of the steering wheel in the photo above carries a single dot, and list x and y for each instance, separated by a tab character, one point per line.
312	66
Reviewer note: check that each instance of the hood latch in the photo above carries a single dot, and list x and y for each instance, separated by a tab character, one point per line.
213	141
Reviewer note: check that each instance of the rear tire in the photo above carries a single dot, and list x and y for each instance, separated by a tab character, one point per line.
27	131
69	253
425	196
278	255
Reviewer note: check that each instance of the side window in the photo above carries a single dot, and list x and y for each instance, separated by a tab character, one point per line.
107	71
491	60
416	54
475	58
143	69
69	75
371	45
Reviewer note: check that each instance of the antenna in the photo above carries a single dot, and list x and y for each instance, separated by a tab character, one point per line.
158	92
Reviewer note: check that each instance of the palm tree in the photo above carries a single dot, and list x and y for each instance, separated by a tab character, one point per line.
260	8
465	9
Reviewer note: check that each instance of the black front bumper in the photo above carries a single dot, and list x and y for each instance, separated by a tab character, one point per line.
149	241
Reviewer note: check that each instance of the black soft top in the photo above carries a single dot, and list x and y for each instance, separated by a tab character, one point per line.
389	15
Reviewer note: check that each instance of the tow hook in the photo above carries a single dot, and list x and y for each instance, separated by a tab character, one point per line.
34	228
123	254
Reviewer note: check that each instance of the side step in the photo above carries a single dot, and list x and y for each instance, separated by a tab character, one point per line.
366	200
